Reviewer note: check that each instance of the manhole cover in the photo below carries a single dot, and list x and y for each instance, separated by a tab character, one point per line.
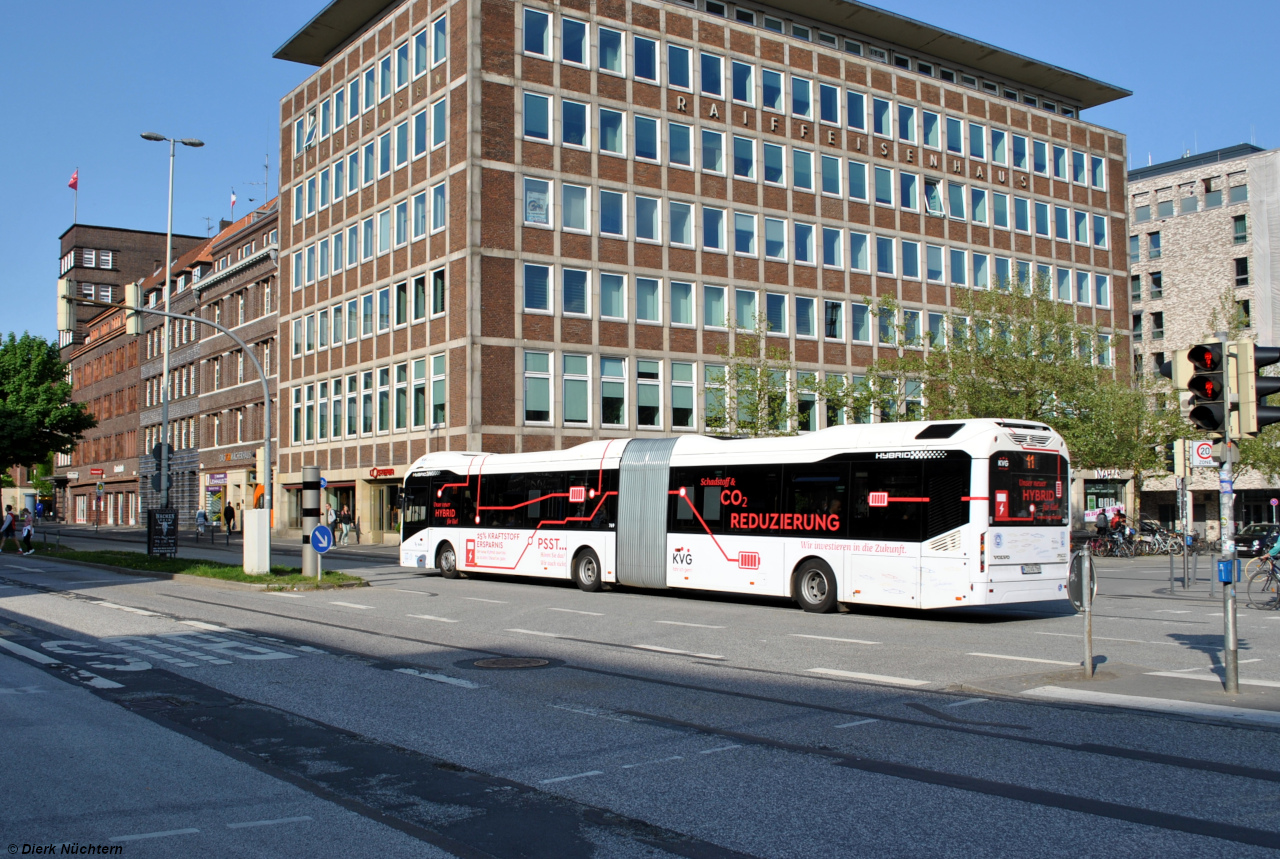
511	662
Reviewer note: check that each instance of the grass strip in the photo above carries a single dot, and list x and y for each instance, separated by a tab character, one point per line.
192	567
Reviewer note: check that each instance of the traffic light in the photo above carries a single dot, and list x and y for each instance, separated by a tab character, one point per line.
1178	370
132	301
1254	415
1209	408
66	310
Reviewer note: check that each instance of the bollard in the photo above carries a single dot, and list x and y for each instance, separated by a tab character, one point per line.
1184	582
310	518
1213	573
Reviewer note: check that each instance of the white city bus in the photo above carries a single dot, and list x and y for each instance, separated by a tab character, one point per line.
921	514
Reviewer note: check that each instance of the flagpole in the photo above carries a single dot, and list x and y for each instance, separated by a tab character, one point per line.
75	204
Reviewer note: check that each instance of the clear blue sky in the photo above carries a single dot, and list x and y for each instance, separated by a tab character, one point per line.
84	79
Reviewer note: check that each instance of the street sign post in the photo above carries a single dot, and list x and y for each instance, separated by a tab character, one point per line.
321	541
1202	455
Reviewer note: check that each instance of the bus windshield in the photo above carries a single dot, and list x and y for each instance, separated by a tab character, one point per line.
1027	488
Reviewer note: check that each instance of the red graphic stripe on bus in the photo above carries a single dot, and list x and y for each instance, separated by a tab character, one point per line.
974	498
529	542
685	495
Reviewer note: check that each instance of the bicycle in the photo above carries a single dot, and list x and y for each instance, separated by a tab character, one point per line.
1264	583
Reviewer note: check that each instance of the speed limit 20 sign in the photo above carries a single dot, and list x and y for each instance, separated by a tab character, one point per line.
1202	454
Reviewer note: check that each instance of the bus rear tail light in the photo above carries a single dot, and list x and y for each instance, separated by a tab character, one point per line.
982	553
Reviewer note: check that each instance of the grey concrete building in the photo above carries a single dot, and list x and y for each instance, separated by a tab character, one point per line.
517	226
1204	247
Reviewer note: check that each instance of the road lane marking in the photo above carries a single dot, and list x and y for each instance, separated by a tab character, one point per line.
1173	611
199	624
1213	678
145	835
599	714
482	599
575	611
283	594
127	608
350	604
439	678
571	777
672	650
432	617
874	678
19	650
658	761
533	632
719	749
1239	715
403	591
275	822
966	702
832	638
1023	658
859	722
89	582
308	649
681	623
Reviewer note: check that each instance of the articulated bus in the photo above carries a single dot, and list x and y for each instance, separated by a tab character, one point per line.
921	514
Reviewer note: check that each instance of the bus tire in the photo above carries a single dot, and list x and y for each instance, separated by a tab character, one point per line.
814	586
447	561
585	571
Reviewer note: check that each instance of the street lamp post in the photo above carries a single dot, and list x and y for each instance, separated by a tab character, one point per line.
168	275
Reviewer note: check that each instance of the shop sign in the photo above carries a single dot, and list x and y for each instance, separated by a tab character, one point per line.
95	472
375	473
216	479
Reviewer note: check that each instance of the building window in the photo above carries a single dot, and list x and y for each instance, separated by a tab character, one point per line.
1242	312
1238	194
537	33
437	390
537	294
1239	229
437	292
1157	285
538	388
1153	246
613	296
610	53
439	40
537	115
577	389
713	310
648	394
1242	271
682	395
613	391
573	41
1135	288
1157	326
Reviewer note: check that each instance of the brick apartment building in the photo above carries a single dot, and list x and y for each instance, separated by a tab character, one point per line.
103	360
240	292
519	226
1202	243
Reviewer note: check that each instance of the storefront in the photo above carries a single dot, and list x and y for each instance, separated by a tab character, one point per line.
102	500
373	498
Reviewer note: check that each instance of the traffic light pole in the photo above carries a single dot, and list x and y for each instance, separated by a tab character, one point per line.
1230	650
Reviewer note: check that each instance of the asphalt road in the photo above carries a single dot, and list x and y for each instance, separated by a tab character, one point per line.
196	718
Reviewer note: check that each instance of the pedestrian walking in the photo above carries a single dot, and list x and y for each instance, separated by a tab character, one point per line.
39	509
28	531
202	522
330	517
229	520
7	528
344	519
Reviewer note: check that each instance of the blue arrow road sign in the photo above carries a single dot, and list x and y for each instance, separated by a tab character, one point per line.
323	483
321	538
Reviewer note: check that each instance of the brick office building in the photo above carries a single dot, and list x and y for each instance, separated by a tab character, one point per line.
103	360
240	293
1202	245
518	226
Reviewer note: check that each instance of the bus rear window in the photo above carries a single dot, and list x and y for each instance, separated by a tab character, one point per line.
1028	488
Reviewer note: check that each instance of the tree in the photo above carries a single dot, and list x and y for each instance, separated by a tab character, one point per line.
1016	353
751	396
37	416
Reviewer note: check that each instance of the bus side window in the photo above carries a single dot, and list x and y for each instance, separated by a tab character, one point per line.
946	484
820	493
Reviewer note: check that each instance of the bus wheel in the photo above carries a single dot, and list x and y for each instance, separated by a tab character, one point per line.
586	571
815	587
447	561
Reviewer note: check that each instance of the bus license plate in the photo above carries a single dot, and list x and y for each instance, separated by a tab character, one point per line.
1031	569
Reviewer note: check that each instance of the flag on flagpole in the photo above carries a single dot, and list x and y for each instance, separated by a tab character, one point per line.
74	184
233	202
